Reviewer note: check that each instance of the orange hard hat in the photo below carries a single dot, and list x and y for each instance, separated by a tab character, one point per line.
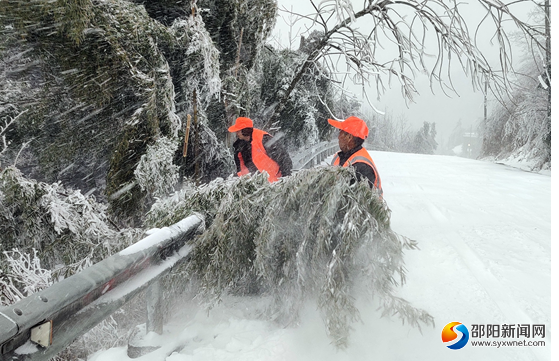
353	126
241	123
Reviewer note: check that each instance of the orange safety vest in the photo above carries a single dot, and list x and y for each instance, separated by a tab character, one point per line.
260	158
361	156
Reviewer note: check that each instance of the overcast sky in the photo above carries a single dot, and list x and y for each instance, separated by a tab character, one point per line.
466	106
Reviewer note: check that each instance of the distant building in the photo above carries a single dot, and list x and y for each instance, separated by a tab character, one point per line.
471	145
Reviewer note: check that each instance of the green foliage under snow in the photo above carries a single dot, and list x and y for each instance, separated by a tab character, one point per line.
49	232
69	231
315	235
156	173
105	77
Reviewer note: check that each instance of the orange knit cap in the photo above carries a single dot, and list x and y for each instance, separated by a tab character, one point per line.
240	123
353	126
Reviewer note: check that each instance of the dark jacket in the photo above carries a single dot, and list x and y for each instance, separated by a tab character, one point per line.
362	170
275	150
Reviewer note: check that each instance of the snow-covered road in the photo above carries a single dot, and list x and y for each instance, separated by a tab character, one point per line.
484	232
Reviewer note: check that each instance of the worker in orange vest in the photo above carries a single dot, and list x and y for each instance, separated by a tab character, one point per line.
353	132
256	150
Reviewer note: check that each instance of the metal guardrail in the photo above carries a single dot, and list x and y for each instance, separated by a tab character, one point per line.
43	324
315	155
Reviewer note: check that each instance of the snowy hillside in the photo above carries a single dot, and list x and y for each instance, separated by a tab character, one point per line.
484	234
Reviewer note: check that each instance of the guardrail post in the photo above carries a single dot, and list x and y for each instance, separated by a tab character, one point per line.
154	322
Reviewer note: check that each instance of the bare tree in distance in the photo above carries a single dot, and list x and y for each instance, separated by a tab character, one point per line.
391	40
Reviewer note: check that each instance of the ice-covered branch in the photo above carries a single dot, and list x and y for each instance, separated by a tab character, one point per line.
315	235
9	121
406	30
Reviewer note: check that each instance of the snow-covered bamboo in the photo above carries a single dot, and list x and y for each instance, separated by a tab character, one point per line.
316	235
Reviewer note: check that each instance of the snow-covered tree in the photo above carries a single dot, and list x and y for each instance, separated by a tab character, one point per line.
156	173
238	29
206	156
23	276
303	120
5	123
316	235
424	141
50	232
199	70
519	128
69	230
350	36
519	125
109	81
103	86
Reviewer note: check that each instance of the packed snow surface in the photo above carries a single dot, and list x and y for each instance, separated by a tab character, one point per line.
484	232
